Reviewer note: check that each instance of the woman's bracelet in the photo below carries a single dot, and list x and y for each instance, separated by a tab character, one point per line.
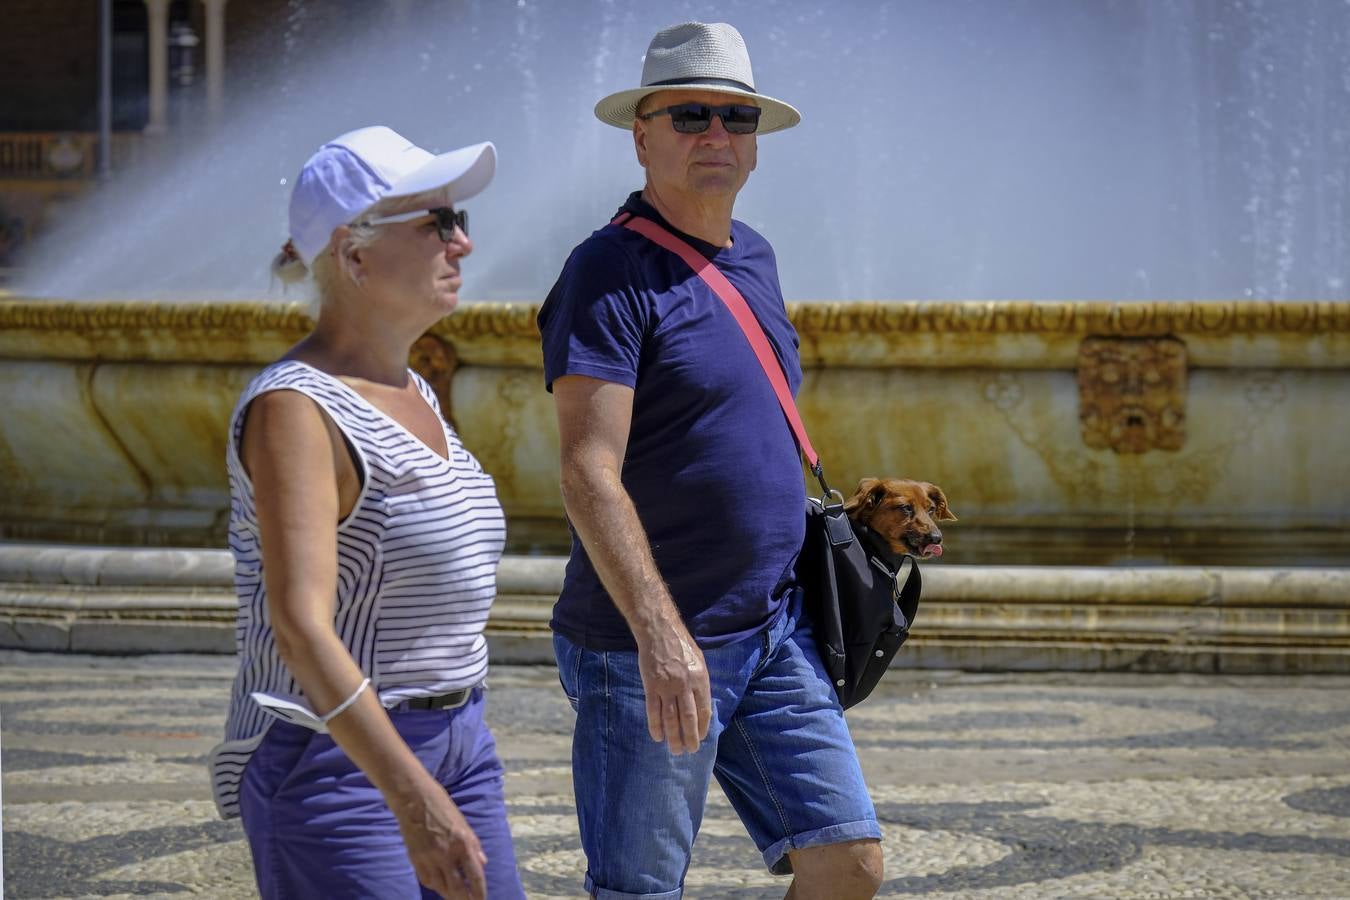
342	707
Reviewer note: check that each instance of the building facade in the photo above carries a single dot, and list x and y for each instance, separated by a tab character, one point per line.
170	62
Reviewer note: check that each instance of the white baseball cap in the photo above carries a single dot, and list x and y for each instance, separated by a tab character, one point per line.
350	174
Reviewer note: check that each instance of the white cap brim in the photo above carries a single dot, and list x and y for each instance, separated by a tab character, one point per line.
461	174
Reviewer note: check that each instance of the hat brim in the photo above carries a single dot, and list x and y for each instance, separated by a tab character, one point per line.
461	174
620	109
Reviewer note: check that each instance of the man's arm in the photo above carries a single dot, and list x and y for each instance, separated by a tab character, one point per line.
593	421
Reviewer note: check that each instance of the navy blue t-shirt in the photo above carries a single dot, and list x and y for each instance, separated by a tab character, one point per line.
711	466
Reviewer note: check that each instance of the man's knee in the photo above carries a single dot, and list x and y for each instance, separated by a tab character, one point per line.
844	871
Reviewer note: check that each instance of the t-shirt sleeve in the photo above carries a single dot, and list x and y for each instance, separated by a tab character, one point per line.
593	321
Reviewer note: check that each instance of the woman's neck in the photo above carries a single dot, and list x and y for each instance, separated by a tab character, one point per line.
351	348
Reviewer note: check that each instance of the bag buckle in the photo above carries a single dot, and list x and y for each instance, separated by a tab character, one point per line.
838	528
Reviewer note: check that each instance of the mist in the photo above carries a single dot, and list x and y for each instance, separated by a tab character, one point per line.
949	149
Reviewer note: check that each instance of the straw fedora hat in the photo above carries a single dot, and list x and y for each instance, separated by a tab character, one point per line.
697	56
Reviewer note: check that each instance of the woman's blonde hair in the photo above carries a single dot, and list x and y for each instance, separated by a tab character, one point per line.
288	268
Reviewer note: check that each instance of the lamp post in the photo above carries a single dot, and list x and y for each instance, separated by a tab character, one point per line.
104	89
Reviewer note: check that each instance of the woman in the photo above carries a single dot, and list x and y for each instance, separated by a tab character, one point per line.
366	541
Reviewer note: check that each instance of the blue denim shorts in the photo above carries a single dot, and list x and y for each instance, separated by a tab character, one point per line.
317	827
778	745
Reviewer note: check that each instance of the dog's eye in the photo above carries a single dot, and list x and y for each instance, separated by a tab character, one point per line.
906	509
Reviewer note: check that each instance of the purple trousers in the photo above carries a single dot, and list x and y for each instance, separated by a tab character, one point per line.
317	827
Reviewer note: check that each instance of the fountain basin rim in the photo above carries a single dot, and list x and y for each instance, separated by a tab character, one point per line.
937	334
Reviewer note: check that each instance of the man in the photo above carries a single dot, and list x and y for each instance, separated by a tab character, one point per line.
679	631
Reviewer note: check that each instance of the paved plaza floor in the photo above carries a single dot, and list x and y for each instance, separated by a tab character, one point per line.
1018	786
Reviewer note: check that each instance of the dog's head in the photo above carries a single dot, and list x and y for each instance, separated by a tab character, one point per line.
904	513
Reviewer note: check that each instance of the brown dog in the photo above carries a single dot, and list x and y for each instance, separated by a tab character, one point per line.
903	513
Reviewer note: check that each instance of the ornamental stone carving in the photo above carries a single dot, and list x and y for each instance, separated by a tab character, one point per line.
1132	393
1142	319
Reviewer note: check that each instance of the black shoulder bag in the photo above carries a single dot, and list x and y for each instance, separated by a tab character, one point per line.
860	608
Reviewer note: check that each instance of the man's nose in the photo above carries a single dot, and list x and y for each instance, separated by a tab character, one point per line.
717	131
459	245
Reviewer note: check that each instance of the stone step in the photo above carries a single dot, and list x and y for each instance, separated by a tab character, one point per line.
164	600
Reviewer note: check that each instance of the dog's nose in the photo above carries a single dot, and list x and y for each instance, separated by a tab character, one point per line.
934	537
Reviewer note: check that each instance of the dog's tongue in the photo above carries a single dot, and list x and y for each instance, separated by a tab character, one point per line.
932	550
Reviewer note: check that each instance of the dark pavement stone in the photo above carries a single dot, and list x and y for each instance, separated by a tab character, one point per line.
17	760
37	866
1323	801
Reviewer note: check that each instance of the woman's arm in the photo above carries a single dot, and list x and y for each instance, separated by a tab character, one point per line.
304	481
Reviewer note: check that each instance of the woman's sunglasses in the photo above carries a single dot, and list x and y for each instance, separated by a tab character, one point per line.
694	118
447	220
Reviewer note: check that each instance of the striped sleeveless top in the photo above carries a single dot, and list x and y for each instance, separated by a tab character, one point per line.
417	564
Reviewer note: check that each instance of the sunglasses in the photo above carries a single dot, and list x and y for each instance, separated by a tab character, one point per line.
447	220
694	118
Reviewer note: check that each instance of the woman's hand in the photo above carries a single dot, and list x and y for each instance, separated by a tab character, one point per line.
445	853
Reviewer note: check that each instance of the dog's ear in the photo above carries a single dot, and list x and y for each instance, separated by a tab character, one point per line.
944	512
865	497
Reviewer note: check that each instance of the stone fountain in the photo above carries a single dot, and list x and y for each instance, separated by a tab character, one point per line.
1146	485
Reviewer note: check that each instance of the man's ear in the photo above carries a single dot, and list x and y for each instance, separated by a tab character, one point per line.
640	141
944	512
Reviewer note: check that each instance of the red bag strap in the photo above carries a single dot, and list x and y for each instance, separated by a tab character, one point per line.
740	311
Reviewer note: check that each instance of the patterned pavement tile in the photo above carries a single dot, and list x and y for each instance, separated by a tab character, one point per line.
1019	786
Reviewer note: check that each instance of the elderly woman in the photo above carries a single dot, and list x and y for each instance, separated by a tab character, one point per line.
366	541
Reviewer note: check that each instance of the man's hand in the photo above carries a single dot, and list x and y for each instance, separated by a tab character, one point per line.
675	680
445	853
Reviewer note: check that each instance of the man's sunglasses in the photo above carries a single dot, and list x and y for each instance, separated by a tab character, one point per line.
447	220
694	118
